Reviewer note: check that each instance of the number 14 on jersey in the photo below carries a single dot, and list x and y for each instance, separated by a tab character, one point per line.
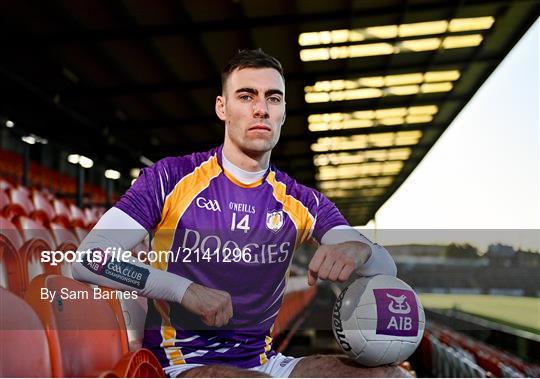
243	224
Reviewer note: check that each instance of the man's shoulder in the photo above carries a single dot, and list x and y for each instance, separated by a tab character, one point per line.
302	192
183	164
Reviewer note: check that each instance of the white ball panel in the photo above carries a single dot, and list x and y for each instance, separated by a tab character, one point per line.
366	311
392	354
373	353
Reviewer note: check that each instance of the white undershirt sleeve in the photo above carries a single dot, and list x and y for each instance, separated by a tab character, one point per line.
117	230
379	263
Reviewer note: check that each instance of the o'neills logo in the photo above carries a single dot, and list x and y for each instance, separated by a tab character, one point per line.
338	326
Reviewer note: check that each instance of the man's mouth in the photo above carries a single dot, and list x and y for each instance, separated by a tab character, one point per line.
261	127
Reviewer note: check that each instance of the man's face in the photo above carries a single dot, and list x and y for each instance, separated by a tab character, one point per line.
253	109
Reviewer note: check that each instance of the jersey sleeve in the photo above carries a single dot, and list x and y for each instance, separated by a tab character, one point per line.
144	200
328	216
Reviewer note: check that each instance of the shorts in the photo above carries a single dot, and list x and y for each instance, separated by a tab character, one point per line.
278	366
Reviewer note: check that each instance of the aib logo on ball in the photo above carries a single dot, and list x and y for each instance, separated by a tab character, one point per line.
397	312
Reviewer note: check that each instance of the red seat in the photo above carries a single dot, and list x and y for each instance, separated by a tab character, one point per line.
10	231
61	209
24	349
31	229
11	211
85	336
81	233
20	196
5	185
78	218
90	215
63	235
81	343
23	190
43	210
37	239
12	274
4	200
66	240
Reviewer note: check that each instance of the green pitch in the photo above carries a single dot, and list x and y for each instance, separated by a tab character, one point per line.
519	312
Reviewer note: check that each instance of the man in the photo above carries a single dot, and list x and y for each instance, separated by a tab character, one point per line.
232	222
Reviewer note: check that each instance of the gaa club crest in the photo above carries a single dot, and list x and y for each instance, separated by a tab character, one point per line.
274	220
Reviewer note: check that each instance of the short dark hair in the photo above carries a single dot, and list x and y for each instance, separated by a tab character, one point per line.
250	59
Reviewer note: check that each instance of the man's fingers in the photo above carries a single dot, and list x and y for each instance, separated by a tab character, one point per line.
209	318
337	268
317	259
315	265
220	318
230	311
325	268
213	306
345	273
312	278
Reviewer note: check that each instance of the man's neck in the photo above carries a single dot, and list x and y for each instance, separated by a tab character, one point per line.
245	161
243	176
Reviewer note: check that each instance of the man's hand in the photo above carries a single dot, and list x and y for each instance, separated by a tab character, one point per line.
337	262
214	306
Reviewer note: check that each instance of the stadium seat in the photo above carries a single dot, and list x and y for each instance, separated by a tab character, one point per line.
140	364
66	240
61	209
4	200
31	229
24	349
63	235
12	274
80	233
37	239
11	232
23	190
5	185
43	210
489	363
84	335
78	218
11	211
30	254
90	215
20	196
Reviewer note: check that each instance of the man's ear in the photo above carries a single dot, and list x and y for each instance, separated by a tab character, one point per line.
220	107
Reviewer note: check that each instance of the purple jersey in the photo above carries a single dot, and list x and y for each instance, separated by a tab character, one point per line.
225	235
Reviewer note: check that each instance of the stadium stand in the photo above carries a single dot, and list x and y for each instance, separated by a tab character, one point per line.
453	354
45	179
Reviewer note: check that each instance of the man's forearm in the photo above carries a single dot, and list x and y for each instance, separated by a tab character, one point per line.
134	275
117	230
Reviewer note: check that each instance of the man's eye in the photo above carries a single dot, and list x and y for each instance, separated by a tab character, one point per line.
274	99
245	97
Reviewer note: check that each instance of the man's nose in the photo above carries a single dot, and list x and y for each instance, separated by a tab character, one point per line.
260	109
